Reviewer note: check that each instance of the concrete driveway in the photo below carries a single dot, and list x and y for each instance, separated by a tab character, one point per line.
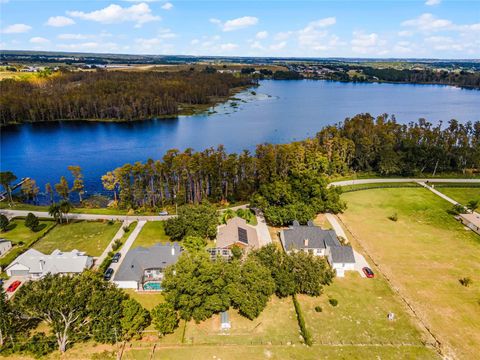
6	284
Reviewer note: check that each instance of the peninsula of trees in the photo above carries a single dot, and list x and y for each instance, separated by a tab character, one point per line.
117	95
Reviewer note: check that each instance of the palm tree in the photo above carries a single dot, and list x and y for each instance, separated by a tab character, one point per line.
65	208
227	215
55	211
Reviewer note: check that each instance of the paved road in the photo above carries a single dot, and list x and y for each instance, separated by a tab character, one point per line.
401	180
128	244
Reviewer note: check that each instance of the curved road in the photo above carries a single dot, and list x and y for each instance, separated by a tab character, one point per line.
23	213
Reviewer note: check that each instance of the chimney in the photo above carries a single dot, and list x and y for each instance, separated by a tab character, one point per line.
305	242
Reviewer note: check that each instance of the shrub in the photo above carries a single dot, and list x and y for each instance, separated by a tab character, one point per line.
393	217
333	302
4	222
466	281
31	221
307	337
318	309
116	244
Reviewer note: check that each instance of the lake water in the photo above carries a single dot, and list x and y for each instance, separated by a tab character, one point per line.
281	111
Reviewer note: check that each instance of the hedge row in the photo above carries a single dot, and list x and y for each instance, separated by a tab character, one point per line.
307	337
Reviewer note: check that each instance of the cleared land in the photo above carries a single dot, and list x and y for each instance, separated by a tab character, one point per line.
360	318
423	254
277	325
153	232
462	195
89	236
147	299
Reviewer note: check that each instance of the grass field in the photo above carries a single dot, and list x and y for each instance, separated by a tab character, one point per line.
89	236
18	232
277	324
153	232
147	299
424	254
361	314
462	195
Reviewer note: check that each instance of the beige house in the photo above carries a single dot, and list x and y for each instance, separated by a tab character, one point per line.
237	232
471	221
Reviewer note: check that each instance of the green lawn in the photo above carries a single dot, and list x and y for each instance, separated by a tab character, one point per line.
361	314
153	232
147	299
89	236
22	238
276	324
462	195
18	232
424	254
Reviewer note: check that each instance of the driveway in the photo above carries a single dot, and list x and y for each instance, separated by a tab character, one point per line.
6	284
126	247
262	230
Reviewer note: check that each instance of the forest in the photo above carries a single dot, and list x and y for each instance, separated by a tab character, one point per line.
467	79
289	181
118	95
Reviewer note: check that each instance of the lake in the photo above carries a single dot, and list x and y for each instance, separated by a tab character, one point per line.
281	111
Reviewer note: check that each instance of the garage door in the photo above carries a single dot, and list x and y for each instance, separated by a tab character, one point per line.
19	272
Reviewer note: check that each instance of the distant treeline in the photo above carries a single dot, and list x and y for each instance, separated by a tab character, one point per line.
460	78
289	181
117	95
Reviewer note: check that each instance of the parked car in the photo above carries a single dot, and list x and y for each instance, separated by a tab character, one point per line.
116	257
368	272
163	213
13	286
1	282
108	274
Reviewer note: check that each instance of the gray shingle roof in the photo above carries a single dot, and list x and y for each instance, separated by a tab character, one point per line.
342	254
317	238
139	259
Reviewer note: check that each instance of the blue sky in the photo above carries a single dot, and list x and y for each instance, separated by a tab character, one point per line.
357	28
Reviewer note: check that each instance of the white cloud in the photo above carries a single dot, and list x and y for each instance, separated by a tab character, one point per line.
90	46
279	46
256	45
284	35
16	29
228	46
315	36
139	14
405	33
432	2
235	24
167	6
428	23
363	43
73	36
39	40
59	21
262	35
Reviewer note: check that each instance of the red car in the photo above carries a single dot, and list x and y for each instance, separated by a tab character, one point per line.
368	272
13	286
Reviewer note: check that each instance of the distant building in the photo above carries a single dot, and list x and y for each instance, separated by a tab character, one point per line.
319	242
34	264
236	232
143	268
5	246
471	221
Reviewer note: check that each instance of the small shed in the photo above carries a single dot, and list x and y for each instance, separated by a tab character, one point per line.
225	321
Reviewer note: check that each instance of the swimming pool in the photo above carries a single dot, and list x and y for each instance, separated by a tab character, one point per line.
152	286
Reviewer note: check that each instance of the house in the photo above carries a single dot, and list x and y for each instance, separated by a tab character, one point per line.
143	268
308	238
471	221
341	259
5	246
319	242
34	264
236	232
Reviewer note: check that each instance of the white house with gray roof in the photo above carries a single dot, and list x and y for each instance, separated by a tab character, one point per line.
143	268
319	242
5	246
35	265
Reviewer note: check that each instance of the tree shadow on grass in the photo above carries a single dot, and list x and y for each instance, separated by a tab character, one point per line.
40	227
10	227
